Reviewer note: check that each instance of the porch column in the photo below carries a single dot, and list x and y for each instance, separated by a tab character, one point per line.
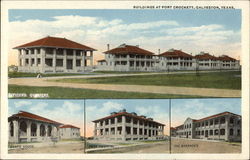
65	60
15	131
42	60
226	128
28	131
115	125
132	126
123	127
91	59
83	59
54	60
19	57
74	60
138	127
29	55
95	131
35	56
143	128
38	129
109	126
23	57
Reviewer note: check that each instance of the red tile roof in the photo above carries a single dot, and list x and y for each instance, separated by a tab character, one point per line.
205	56
127	114
55	42
128	49
216	115
68	126
176	53
23	114
226	58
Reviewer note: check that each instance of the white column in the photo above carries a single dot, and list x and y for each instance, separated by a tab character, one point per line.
138	127
42	60
74	60
16	131
19	57
65	60
115	125
109	127
143	128
23	57
123	127
132	126
83	59
28	131
95	131
38	130
35	50
91	59
54	60
29	56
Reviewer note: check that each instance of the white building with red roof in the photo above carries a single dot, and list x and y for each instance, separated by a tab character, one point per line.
124	126
127	58
54	55
69	132
176	60
29	127
224	126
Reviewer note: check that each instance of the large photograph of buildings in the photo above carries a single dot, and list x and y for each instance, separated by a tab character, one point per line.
155	54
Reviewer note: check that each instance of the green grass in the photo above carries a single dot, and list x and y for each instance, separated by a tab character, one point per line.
221	80
59	92
119	72
24	74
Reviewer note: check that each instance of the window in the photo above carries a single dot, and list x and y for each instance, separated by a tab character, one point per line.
222	131
216	132
231	132
222	120
238	132
231	120
211	122
211	132
206	123
216	121
202	132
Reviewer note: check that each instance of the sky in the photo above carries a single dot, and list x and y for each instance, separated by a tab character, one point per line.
63	111
156	109
215	31
181	109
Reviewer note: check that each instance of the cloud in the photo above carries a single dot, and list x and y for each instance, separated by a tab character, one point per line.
152	35
23	103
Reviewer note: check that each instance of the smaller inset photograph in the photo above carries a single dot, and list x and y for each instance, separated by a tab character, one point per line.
206	125
51	126
127	126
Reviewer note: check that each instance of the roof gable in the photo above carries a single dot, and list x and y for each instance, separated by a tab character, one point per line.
205	56
176	53
128	49
55	42
23	114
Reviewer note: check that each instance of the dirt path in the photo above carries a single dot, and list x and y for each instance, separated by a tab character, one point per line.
208	92
199	146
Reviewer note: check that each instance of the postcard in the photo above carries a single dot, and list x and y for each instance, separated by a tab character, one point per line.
125	80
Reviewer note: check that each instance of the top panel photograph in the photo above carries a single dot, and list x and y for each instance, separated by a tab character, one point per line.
124	53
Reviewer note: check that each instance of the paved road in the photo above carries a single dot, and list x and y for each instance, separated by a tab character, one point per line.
208	92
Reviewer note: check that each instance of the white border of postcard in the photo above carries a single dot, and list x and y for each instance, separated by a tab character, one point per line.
5	5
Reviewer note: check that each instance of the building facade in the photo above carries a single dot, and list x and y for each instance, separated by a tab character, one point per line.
176	60
69	132
124	126
28	127
128	58
54	55
133	58
224	126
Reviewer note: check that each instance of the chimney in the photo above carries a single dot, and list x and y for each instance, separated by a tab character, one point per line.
108	47
159	51
137	45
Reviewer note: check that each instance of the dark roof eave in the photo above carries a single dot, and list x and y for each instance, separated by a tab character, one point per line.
20	47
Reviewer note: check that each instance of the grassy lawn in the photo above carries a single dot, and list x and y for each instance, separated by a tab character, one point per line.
221	80
24	74
72	93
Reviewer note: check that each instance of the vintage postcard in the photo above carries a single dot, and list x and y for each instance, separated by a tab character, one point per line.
125	80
